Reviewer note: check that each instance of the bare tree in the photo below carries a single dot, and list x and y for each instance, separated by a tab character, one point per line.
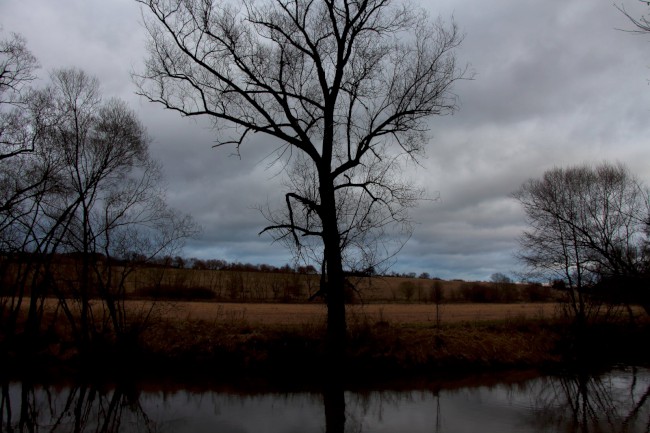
25	173
27	182
110	193
19	179
17	71
102	199
587	224
642	23
348	85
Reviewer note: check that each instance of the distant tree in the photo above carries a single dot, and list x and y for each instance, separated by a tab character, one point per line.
424	276
198	264
586	224
407	289
215	265
506	289
437	292
178	262
345	87
308	269
500	278
437	295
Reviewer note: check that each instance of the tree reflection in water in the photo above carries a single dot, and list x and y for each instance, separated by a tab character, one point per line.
594	403
78	409
334	406
615	402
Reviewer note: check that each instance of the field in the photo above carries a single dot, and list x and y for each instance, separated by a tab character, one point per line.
315	313
268	314
194	340
238	322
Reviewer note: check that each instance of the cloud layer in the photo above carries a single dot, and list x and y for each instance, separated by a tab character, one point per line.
555	84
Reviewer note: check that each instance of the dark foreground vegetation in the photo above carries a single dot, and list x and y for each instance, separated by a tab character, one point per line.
230	347
379	350
47	334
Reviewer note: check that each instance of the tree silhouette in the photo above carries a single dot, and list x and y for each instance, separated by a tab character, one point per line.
345	86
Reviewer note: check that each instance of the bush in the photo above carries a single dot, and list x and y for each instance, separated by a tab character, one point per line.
407	289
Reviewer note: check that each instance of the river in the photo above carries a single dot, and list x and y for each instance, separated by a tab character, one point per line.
617	400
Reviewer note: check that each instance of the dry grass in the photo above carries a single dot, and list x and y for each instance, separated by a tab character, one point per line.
268	314
272	313
232	338
393	313
316	313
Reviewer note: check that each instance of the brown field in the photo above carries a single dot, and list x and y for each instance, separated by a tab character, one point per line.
384	339
270	314
291	314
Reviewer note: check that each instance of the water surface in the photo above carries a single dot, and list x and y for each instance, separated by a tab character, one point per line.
615	401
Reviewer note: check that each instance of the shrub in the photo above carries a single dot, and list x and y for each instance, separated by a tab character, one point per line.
407	289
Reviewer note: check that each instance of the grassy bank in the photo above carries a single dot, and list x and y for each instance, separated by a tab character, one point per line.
381	349
378	349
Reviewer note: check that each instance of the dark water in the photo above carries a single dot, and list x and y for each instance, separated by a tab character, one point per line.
615	401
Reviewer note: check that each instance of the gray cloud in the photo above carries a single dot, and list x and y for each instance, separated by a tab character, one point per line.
556	84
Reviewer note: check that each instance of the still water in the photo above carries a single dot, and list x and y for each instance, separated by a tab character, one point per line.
615	401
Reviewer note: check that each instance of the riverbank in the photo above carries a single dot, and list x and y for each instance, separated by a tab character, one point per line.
378	349
382	349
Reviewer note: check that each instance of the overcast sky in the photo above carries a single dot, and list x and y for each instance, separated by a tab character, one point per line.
556	83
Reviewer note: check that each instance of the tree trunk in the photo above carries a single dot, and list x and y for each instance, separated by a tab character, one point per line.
334	403
336	323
